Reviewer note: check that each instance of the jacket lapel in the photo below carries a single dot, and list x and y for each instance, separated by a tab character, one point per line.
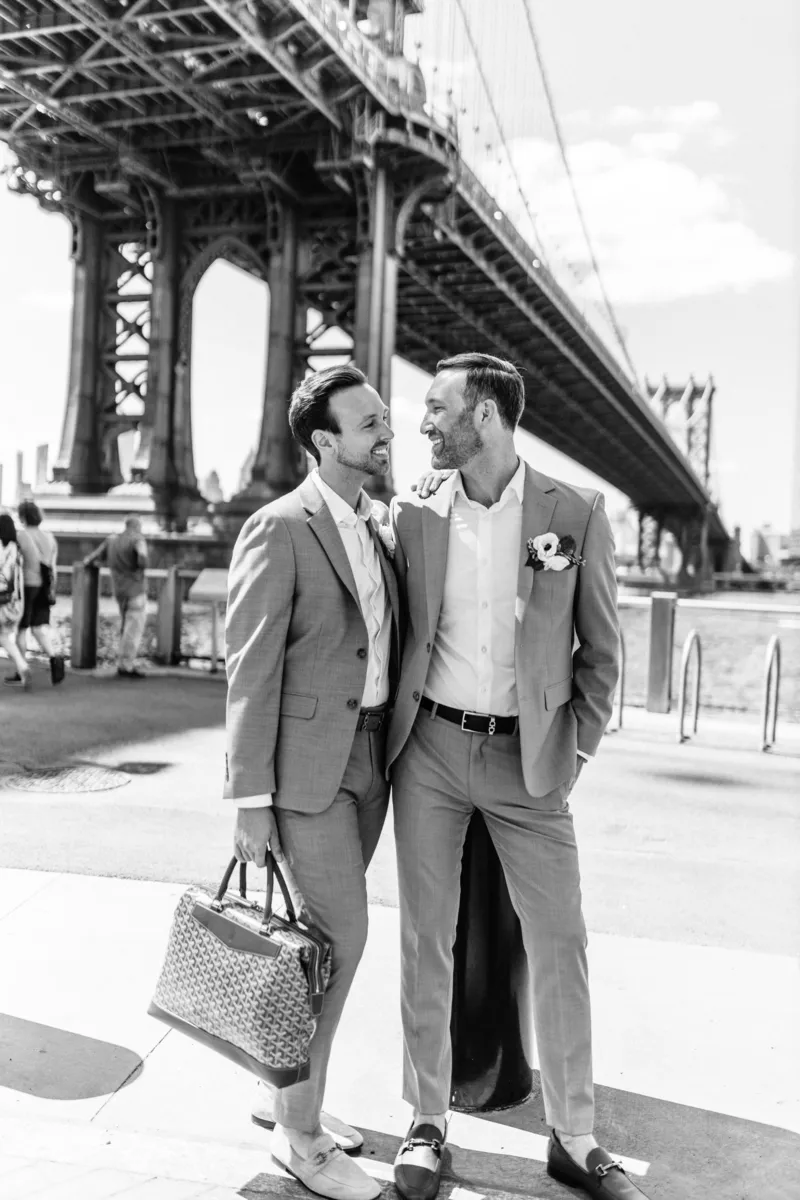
323	526
538	506
435	537
389	577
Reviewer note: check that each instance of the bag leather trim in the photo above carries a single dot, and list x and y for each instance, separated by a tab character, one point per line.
233	935
296	704
557	694
279	1077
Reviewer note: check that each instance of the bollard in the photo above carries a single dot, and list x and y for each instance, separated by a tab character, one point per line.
168	629
490	1025
662	639
85	591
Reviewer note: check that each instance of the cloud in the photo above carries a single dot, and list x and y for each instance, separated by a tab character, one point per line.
661	231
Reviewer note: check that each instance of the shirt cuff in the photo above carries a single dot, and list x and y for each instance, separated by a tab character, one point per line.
264	801
586	757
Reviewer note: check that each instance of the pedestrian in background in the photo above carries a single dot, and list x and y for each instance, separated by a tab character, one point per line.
126	555
11	597
39	550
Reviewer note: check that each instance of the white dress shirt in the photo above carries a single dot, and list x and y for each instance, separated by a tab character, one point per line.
472	661
362	554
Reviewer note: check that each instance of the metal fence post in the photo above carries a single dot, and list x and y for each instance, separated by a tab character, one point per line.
85	591
662	639
168	634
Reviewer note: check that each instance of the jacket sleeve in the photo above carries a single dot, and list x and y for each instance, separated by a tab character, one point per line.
260	594
595	662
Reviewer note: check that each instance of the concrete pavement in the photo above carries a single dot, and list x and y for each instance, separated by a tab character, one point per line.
691	886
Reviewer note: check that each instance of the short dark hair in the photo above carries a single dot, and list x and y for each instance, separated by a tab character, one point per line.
310	410
8	530
29	512
491	377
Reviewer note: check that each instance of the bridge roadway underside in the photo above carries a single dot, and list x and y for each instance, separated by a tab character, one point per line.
278	136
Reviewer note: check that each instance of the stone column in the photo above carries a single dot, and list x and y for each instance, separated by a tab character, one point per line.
79	461
376	299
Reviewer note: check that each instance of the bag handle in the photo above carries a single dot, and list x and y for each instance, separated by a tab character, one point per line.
273	872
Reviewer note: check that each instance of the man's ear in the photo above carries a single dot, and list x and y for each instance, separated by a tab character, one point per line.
321	439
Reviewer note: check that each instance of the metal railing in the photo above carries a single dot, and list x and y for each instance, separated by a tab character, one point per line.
772	687
692	642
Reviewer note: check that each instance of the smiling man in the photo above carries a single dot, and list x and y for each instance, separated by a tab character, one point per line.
509	668
312	655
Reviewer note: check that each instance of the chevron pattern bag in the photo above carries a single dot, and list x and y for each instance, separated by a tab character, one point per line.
247	983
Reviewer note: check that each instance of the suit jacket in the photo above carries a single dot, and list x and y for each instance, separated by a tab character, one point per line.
296	649
567	632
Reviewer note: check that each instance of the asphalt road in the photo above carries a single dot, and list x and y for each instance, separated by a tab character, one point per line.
694	844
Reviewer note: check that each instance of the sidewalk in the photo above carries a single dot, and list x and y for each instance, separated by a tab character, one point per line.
696	1066
689	863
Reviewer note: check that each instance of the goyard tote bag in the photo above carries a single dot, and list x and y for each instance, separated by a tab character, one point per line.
245	982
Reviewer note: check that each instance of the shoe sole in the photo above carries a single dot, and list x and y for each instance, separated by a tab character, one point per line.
294	1175
351	1152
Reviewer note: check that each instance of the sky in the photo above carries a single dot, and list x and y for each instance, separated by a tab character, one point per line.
681	123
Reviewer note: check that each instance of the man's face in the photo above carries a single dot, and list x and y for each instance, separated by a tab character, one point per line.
449	423
364	435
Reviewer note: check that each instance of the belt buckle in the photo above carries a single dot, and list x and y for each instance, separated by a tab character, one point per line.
465	716
371	722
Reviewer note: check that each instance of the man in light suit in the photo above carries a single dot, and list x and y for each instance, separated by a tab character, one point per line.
312	652
496	711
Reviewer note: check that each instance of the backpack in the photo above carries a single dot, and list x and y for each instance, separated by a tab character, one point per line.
11	590
48	582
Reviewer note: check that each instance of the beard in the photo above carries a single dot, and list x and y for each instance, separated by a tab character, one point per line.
368	463
458	445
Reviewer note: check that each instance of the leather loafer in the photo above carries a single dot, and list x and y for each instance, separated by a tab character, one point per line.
345	1136
605	1178
324	1169
418	1165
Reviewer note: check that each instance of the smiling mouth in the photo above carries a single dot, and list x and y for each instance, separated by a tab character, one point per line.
436	444
381	451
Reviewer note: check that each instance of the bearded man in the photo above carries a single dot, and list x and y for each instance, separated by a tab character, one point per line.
501	573
312	655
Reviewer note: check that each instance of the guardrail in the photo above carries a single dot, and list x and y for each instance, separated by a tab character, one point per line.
772	689
692	643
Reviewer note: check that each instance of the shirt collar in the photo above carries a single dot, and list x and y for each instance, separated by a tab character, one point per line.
339	509
514	487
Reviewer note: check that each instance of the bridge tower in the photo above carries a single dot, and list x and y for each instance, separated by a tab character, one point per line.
142	242
686	410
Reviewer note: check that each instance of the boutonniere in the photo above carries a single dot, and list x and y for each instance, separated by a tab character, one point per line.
549	552
380	514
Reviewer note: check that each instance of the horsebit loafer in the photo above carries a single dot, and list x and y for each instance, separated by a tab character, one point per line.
605	1177
418	1165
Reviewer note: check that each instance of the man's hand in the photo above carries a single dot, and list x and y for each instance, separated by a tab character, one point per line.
256	831
429	483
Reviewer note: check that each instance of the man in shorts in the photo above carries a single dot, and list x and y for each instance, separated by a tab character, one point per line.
126	555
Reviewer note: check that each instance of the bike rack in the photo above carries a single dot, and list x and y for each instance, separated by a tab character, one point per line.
692	642
772	687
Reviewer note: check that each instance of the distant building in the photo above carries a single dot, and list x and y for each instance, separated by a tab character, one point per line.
210	488
768	548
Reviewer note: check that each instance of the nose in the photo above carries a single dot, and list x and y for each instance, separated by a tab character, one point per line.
426	424
388	432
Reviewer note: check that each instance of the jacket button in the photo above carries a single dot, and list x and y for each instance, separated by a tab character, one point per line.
352	704
361	653
416	695
428	647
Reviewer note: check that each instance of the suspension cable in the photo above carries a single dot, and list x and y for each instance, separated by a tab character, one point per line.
578	208
500	130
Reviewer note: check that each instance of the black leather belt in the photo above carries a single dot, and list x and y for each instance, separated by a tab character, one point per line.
370	720
472	722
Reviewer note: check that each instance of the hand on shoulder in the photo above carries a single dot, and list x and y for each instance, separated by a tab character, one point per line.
429	483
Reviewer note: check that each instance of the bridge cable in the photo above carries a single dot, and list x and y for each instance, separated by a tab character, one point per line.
565	159
500	130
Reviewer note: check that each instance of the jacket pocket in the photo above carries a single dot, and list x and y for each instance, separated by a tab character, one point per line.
557	694
295	704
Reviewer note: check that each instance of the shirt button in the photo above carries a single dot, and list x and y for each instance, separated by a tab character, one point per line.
361	653
416	695
485	604
483	649
352	704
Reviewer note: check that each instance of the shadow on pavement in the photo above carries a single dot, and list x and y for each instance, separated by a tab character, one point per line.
55	1064
89	713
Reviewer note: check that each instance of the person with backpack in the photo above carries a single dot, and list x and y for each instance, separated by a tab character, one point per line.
11	597
39	551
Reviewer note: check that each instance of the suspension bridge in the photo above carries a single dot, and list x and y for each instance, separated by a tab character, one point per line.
370	159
